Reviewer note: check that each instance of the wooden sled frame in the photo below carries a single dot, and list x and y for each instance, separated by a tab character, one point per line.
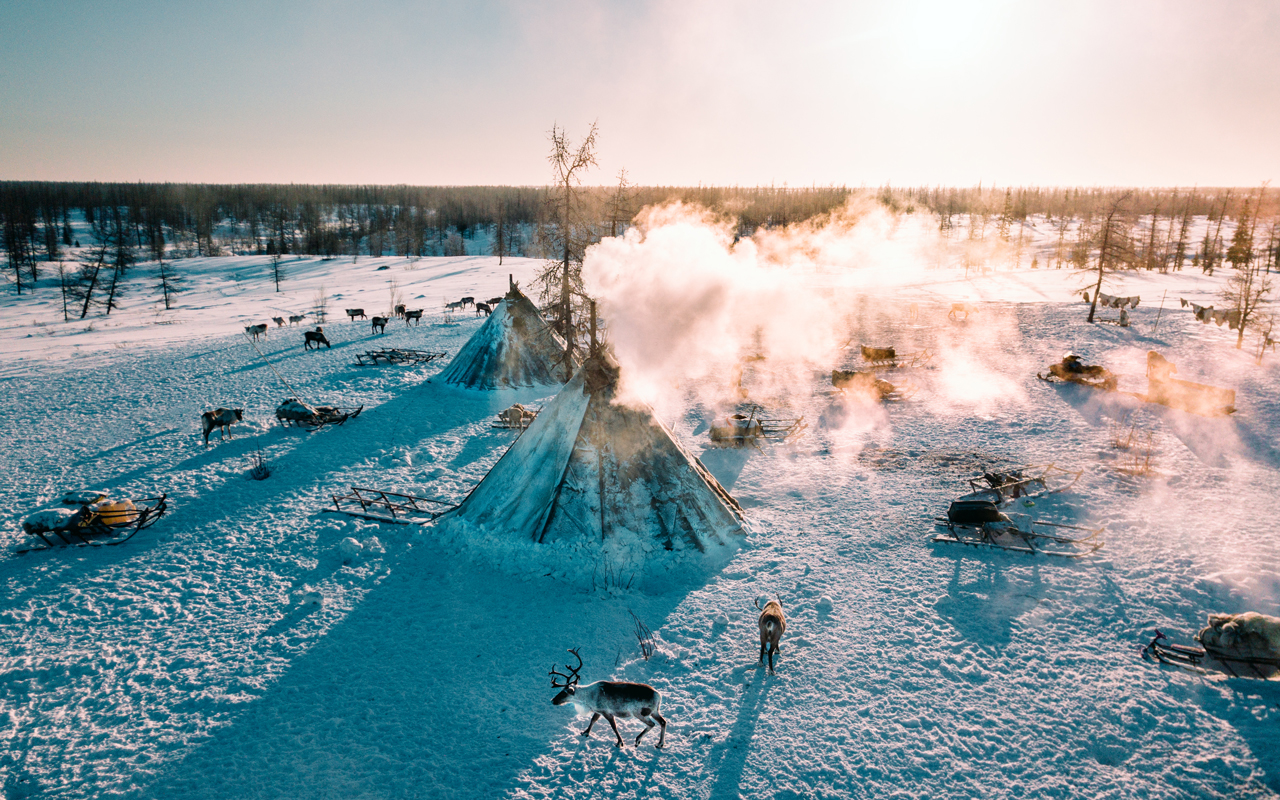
321	418
396	356
91	531
1193	659
401	509
1027	485
1023	539
913	360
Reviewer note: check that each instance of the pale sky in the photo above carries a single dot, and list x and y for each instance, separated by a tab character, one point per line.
1149	92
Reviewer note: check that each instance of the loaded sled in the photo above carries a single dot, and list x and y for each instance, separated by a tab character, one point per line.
1071	370
980	523
1030	480
890	358
90	519
868	385
313	418
1204	660
516	418
391	507
751	428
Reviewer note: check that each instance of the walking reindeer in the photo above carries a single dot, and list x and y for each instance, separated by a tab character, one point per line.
610	699
772	625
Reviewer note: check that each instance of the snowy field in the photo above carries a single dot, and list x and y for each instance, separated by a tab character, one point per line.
186	663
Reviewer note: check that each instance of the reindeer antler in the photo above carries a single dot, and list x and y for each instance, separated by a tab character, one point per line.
572	678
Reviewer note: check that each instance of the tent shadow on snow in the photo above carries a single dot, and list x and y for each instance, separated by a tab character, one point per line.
435	685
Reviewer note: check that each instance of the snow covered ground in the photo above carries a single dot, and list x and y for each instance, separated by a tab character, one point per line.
189	663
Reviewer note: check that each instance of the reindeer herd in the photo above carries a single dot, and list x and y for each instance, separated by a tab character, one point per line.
377	324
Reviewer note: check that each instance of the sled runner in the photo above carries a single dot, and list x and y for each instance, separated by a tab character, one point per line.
313	418
1204	660
396	355
98	523
1029	480
750	428
980	523
391	507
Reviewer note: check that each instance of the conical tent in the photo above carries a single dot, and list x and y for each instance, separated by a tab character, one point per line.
590	470
514	348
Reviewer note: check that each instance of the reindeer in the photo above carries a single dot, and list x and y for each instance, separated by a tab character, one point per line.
493	301
414	314
610	699
772	625
961	308
467	301
483	307
453	306
356	312
315	337
380	324
296	319
399	310
220	418
279	321
256	330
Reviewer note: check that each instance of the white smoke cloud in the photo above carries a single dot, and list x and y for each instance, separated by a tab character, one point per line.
685	303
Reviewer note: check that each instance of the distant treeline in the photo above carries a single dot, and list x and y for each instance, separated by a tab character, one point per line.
177	220
208	219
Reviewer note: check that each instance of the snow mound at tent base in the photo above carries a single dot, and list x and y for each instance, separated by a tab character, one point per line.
628	560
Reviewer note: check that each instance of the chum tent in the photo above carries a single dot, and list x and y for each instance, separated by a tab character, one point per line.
514	348
590	470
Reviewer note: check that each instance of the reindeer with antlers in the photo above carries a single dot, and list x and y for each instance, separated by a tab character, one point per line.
610	699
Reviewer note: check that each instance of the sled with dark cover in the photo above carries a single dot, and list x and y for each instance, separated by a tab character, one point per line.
1093	376
981	523
100	522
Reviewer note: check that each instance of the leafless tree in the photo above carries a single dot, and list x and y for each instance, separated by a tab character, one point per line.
1114	246
561	279
1246	290
620	203
277	270
169	282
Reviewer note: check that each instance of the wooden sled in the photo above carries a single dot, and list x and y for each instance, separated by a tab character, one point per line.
868	385
101	524
980	523
1203	660
313	418
1194	398
890	358
389	507
396	355
1029	480
750	428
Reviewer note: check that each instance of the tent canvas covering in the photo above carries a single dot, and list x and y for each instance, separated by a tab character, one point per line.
590	470
514	348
